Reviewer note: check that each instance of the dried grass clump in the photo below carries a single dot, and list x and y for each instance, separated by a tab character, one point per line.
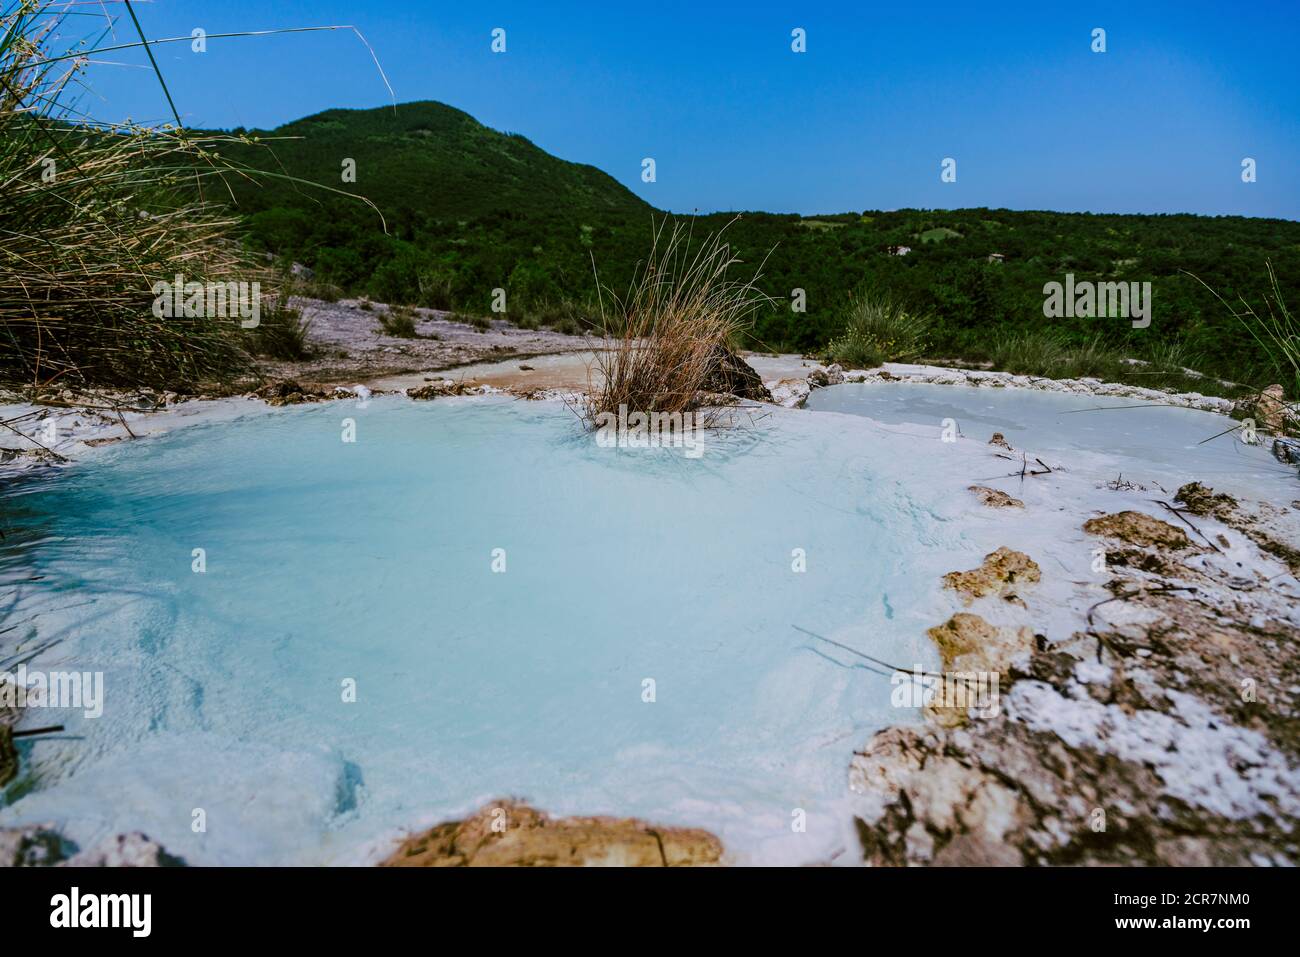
92	215
662	340
89	221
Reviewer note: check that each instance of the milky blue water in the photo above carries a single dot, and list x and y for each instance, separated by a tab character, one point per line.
1150	443
330	563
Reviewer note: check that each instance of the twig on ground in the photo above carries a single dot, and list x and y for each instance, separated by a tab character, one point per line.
1224	432
1181	518
1108	408
862	654
34	731
1136	594
121	418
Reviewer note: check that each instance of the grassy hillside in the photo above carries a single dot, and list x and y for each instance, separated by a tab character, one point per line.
469	209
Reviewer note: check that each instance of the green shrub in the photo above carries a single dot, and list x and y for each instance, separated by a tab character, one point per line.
1172	356
281	332
479	322
1027	353
1048	354
398	321
324	291
567	316
1091	359
878	330
1276	330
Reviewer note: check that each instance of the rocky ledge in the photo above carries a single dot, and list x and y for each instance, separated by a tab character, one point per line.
1165	732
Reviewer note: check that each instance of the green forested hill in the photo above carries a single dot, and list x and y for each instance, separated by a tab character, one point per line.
432	160
469	209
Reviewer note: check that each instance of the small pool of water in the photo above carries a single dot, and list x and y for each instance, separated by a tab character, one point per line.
370	564
1103	435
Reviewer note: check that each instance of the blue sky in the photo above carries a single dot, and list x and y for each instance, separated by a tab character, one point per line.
734	119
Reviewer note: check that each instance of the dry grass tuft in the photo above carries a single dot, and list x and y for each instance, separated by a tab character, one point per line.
93	215
89	220
663	338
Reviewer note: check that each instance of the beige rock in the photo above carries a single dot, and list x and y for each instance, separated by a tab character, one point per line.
1270	409
886	766
288	392
42	846
531	838
969	643
704	399
1200	499
970	850
1002	573
831	375
791	393
995	498
1138	529
972	650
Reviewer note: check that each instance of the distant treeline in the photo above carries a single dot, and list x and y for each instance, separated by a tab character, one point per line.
469	210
